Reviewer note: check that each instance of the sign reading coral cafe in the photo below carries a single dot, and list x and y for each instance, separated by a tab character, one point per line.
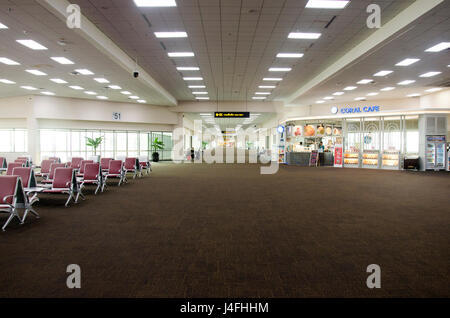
355	110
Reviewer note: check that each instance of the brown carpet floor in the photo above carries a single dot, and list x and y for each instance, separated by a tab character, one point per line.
198	230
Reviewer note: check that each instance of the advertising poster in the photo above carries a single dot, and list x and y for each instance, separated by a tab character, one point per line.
338	156
320	130
309	131
297	131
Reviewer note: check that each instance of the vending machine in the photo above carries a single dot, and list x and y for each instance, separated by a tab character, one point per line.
435	153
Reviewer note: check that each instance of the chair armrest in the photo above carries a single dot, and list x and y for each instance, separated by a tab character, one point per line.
7	196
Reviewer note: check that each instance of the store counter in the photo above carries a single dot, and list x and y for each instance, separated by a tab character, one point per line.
302	158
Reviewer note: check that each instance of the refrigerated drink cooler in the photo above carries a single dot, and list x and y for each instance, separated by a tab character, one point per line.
435	152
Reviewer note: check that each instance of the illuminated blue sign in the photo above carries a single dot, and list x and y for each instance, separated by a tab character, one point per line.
365	109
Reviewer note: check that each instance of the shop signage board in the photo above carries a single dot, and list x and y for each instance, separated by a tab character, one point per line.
355	110
314	158
338	156
232	114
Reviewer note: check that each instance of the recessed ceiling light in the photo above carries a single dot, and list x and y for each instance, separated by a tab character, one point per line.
193	78
32	44
258	97
360	98
266	86
280	69
2	26
101	80
125	92
350	88
58	81
5	81
90	93
62	60
328	98
171	34
387	89
30	88
262	93
382	73
102	97
430	74
8	61
200	98
84	71
180	54
36	72
372	94
304	35
134	97
290	55
407	62
188	68
320	102
327	4
115	87
155	3
48	93
205	114
413	95
142	101
197	86
365	81
406	82
200	93
435	89
338	93
439	47
78	88
272	79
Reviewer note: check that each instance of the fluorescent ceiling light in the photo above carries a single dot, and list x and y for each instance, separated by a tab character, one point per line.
78	88
413	95
171	34
142	101
304	35
180	54
90	93
360	98
58	81
125	92
200	93
2	26
6	81
115	87
290	55
8	61
101	80
258	97
48	93
205	114
406	82
372	94
320	102
102	97
365	81
272	79
134	97
62	60
280	69
32	44
266	86
407	62
430	74
435	89
36	72
328	98
439	47
199	98
30	88
193	78
382	73
387	89
84	71
262	93
197	86
350	88
327	4
155	3
188	68
338	93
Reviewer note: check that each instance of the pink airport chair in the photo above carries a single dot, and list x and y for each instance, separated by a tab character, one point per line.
132	165
92	175
145	164
45	168
104	163
3	164
82	165
51	174
26	175
64	182
11	197
116	171
11	166
23	161
55	159
76	162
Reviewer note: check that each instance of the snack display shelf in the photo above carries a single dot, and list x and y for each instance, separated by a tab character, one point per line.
351	159
370	159
390	160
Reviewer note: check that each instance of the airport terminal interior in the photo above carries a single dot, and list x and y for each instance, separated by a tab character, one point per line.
224	148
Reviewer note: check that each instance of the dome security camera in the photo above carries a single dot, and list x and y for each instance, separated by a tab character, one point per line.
136	74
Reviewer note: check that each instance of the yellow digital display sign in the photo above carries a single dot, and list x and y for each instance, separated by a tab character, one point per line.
232	114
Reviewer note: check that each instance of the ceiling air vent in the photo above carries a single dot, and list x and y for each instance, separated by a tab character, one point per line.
147	20
329	22
74	73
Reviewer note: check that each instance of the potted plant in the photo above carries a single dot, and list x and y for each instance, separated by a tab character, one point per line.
94	143
156	145
204	144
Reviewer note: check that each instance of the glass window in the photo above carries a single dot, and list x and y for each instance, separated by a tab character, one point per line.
5	141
